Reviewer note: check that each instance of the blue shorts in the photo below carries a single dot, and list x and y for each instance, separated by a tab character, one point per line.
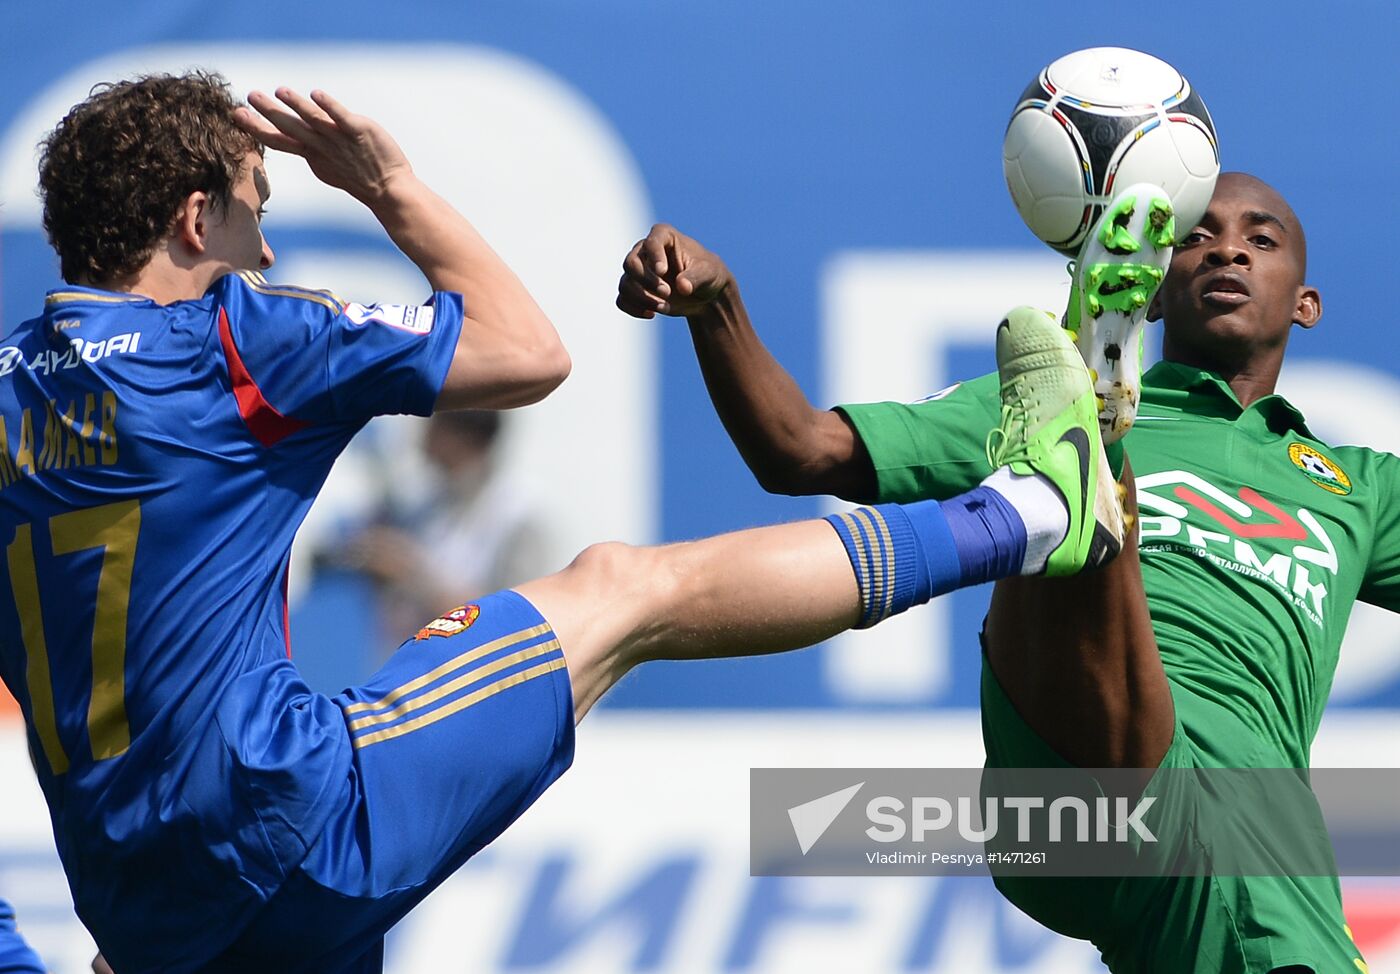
464	727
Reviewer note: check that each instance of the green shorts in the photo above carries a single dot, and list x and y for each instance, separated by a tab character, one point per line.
1176	924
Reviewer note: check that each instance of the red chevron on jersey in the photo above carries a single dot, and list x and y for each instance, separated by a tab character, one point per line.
1284	526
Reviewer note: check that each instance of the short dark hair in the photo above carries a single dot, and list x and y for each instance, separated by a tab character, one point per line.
116	169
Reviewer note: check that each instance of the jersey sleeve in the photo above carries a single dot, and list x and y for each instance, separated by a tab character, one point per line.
316	360
1381	584
932	449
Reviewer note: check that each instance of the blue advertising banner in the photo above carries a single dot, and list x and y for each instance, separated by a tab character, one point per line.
843	158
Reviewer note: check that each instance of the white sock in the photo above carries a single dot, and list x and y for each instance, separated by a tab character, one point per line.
1041	508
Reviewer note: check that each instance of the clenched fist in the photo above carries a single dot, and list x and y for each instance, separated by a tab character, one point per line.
669	273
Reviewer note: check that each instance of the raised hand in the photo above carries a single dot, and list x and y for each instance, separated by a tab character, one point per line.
348	151
669	273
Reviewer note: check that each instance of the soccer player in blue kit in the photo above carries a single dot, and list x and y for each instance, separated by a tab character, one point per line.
165	425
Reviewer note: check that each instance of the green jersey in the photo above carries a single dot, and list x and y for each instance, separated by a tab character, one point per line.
1256	539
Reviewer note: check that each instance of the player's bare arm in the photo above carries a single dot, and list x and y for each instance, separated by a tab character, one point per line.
509	353
791	446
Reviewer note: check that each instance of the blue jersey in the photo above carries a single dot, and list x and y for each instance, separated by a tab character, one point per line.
16	956
155	462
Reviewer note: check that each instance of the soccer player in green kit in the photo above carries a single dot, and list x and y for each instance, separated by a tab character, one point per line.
1211	645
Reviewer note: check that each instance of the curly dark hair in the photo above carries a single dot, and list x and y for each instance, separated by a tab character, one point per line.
114	172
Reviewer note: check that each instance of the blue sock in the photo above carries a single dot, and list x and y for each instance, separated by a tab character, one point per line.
988	533
905	554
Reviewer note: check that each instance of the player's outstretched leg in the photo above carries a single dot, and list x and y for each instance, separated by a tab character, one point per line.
1051	507
1120	267
469	722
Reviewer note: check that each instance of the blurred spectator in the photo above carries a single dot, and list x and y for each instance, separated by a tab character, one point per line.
467	532
16	956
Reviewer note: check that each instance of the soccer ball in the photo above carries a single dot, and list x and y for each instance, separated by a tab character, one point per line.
1101	118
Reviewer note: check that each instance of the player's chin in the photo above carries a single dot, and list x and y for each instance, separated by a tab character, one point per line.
1201	327
1226	328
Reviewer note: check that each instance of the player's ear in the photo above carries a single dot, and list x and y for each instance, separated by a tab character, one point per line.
192	221
1154	310
1309	307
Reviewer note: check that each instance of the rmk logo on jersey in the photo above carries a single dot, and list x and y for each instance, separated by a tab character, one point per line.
1175	498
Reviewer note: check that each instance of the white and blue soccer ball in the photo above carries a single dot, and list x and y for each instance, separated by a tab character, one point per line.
1100	118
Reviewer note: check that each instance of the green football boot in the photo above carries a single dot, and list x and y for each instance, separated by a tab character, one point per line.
1049	426
1120	267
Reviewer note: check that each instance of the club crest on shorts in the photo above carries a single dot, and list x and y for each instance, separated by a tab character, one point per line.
450	623
1319	469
